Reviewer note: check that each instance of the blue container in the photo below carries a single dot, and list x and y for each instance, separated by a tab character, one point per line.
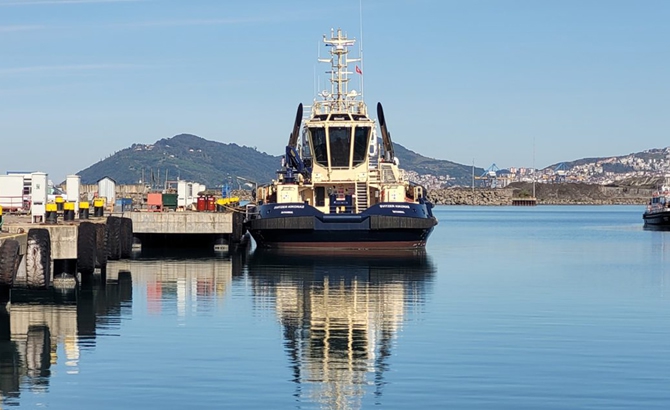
123	204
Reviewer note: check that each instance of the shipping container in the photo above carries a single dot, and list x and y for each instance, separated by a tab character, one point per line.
170	201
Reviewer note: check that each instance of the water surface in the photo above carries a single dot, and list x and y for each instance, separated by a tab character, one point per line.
508	308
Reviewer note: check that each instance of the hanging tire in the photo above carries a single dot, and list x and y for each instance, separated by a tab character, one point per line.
100	246
126	238
113	233
38	259
9	261
86	249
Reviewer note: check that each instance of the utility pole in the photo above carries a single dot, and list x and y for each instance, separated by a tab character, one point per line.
473	175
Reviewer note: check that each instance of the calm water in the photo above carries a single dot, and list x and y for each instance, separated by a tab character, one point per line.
510	308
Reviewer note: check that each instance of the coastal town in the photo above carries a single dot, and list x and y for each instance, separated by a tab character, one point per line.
651	163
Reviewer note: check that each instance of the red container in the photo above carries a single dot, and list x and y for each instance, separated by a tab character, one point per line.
211	203
201	204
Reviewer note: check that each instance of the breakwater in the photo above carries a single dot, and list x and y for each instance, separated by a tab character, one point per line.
546	194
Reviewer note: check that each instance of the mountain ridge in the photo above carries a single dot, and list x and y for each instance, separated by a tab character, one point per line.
193	158
190	157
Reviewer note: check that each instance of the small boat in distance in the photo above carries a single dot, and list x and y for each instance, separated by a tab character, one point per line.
338	187
657	214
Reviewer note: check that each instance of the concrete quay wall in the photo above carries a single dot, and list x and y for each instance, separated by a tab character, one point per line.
63	238
214	223
21	237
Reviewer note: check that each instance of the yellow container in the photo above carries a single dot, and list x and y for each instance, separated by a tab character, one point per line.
51	207
98	203
59	199
0	210
68	206
84	205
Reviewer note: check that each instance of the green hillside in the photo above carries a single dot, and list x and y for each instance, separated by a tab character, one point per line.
192	158
185	157
411	161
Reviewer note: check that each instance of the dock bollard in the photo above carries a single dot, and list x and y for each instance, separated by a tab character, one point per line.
59	203
51	214
221	204
98	207
68	211
83	210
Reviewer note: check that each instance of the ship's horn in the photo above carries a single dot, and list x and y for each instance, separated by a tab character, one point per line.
293	139
386	135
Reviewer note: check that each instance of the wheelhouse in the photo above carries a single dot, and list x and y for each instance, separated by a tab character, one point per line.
342	146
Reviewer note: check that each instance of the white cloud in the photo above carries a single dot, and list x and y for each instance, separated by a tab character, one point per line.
196	22
41	2
11	29
71	67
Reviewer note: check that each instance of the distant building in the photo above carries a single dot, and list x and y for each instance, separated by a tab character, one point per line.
107	189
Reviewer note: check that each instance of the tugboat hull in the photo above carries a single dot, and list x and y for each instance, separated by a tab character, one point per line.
659	219
377	228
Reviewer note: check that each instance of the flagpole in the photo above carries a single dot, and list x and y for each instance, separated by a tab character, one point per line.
360	51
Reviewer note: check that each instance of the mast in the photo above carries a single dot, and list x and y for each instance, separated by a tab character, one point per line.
534	167
340	99
360	49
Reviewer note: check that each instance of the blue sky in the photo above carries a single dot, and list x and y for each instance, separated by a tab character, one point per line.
482	80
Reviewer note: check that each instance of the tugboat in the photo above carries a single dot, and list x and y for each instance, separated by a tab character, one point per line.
657	214
338	187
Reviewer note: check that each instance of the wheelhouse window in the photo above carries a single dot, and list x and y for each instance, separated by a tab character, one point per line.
361	138
319	142
340	143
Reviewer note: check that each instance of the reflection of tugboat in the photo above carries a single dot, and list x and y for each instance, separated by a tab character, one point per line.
335	188
340	315
380	266
657	215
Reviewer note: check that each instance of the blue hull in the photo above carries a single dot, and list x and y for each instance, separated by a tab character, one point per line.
657	219
382	226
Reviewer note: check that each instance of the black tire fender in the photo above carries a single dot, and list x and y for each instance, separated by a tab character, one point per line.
9	261
86	248
38	258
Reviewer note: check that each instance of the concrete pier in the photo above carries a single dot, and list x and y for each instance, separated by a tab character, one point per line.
203	230
74	247
21	237
212	223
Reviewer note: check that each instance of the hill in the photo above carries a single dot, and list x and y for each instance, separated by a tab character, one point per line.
189	157
186	157
635	168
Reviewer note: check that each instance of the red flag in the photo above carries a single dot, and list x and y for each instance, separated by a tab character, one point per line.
358	70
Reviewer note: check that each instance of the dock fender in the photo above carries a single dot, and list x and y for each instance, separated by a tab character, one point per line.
86	248
9	261
38	258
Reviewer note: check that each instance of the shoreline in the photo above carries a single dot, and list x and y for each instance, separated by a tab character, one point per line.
557	194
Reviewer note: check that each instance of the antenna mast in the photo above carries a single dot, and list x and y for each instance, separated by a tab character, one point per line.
533	167
360	45
339	99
